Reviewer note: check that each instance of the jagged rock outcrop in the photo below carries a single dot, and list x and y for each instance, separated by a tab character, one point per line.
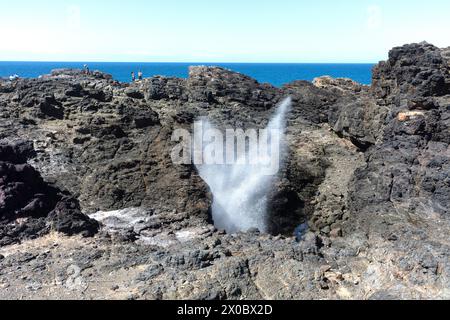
362	203
110	144
408	167
29	207
105	145
412	77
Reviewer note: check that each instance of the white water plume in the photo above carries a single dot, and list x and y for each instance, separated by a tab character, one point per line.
241	190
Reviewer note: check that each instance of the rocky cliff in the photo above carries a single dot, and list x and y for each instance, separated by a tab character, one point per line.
367	180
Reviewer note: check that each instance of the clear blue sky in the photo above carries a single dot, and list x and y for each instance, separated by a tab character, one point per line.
217	30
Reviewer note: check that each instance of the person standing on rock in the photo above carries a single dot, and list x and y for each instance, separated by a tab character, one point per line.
140	75
133	77
86	69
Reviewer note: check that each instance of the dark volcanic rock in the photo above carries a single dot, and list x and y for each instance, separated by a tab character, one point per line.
412	75
354	113
310	101
23	192
25	195
49	107
408	167
159	88
67	218
16	152
362	200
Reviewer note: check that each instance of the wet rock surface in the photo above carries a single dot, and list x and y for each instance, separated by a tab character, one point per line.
362	203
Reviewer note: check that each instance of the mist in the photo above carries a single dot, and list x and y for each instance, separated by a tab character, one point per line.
241	190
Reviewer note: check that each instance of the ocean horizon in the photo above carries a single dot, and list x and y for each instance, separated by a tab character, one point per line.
277	74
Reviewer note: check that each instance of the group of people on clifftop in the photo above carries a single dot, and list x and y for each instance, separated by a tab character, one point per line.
140	74
133	76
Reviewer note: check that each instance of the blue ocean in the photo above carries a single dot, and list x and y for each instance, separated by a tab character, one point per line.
276	74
